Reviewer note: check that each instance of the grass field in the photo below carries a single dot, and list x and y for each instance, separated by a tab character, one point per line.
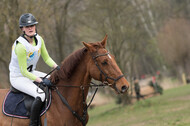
170	109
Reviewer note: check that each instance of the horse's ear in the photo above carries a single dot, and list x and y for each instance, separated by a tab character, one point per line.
104	41
89	46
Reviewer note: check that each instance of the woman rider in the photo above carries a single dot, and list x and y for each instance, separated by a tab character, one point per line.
26	51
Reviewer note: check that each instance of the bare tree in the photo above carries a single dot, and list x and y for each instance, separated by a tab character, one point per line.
175	46
9	25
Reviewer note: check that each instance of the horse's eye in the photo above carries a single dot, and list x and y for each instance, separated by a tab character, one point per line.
104	63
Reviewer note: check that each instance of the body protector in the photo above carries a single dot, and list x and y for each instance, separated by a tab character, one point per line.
33	54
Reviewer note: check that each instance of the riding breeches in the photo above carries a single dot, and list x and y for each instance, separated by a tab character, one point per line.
27	86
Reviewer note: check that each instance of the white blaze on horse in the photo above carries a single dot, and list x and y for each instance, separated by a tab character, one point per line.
68	97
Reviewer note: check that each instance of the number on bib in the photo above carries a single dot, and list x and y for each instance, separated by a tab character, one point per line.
30	68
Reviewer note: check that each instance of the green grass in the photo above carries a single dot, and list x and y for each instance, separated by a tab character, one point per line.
170	109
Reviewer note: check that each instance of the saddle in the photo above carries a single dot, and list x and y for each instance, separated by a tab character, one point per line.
18	104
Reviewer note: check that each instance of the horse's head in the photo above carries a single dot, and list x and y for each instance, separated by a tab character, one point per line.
103	66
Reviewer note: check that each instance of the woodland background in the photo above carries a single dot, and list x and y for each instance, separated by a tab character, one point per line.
145	36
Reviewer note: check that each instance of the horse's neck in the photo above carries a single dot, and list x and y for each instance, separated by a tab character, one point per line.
73	94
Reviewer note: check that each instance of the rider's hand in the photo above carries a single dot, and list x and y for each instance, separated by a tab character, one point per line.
58	68
46	82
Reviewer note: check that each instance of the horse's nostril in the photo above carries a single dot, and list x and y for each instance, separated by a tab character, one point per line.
124	88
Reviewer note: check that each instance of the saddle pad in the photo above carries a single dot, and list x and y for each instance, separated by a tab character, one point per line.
14	106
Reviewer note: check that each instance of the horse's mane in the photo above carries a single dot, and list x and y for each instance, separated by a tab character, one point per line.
68	66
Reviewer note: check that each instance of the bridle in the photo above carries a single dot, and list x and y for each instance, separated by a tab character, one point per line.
103	73
82	87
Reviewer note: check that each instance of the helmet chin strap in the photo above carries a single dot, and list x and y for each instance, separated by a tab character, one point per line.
30	36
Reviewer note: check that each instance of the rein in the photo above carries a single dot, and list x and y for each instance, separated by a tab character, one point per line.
85	107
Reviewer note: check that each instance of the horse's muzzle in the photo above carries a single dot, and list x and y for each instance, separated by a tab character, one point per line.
121	89
124	88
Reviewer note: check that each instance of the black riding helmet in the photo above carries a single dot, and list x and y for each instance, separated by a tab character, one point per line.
27	20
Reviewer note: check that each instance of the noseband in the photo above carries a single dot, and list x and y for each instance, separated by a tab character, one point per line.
103	73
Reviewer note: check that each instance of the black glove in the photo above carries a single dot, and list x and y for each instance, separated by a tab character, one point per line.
58	68
47	82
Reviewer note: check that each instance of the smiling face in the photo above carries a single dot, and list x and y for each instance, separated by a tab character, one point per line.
104	67
29	30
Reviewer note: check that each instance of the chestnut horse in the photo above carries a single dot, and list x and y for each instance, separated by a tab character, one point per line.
72	82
